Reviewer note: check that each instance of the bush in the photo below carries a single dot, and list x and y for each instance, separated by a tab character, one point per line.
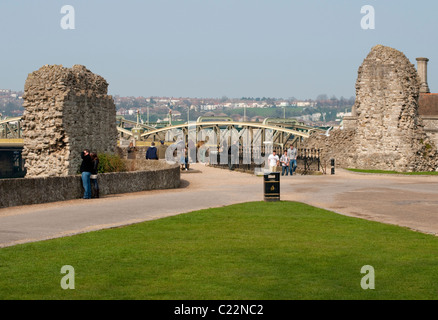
111	163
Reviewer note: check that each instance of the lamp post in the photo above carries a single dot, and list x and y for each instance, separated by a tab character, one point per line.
148	116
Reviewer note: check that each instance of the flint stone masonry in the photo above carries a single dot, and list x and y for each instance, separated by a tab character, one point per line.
428	110
67	110
385	131
431	127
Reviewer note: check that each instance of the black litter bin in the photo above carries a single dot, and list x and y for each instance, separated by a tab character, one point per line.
272	186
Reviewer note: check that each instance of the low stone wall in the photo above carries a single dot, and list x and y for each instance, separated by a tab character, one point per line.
337	146
134	153
25	191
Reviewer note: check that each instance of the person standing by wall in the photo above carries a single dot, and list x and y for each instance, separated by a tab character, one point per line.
93	177
132	150
86	169
162	150
151	153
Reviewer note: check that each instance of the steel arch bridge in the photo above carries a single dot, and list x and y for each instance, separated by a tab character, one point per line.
279	130
10	128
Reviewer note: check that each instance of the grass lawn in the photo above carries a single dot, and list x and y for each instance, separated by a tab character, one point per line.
257	250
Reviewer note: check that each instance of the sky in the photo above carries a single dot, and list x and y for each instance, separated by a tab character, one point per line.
214	48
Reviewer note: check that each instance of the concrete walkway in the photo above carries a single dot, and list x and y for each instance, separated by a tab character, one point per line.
410	201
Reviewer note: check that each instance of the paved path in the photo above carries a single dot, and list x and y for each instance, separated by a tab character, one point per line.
410	201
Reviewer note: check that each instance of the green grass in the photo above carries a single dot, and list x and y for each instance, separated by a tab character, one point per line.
394	172
258	250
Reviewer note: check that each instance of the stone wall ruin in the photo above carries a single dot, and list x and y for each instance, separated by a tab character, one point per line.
385	131
67	110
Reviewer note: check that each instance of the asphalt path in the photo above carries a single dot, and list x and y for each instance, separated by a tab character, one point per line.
409	201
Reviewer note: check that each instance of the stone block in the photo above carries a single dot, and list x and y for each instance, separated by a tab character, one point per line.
64	108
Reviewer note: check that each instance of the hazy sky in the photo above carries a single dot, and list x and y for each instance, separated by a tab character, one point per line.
214	48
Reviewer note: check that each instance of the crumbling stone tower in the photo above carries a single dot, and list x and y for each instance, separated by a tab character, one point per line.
389	131
66	111
385	131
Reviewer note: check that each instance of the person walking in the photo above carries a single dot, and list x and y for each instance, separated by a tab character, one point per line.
93	177
284	160
292	154
273	161
86	169
184	159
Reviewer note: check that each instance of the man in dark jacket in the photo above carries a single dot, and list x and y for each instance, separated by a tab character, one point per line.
86	169
151	153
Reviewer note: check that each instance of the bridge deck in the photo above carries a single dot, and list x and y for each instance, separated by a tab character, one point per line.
11	143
